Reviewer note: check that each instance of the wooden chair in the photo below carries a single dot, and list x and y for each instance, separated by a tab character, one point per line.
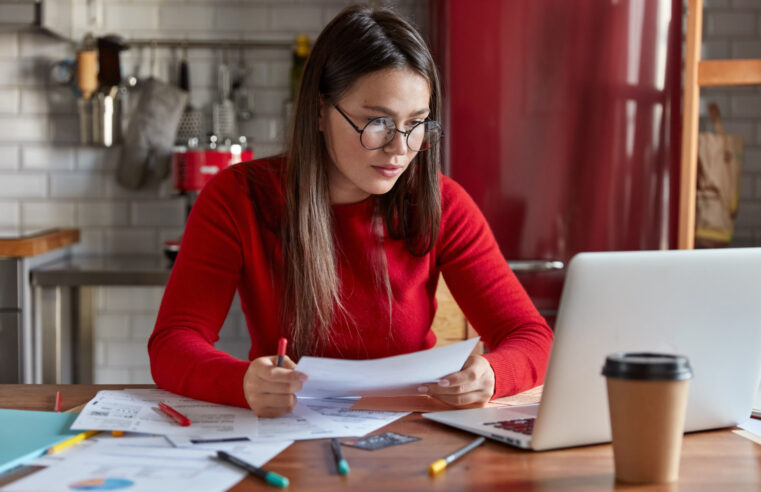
701	73
450	324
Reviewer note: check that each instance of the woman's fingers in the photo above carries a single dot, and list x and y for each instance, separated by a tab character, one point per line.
471	386
277	401
269	405
270	390
288	385
474	398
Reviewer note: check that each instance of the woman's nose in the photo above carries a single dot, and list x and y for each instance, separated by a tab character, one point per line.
398	145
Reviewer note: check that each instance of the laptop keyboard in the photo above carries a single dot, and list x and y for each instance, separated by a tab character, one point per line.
523	426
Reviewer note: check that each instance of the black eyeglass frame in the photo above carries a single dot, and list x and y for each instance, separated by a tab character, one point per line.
396	130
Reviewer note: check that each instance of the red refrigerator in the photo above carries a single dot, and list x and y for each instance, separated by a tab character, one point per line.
562	121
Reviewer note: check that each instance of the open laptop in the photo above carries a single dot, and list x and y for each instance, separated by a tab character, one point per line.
704	304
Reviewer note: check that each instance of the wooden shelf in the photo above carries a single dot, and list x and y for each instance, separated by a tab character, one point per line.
729	72
697	74
38	244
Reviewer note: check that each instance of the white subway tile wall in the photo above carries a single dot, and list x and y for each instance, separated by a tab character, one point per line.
124	320
9	157
48	179
9	214
732	29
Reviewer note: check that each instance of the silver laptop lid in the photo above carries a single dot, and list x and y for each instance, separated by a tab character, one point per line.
703	304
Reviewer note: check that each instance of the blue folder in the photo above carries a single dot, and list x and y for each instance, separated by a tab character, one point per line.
25	435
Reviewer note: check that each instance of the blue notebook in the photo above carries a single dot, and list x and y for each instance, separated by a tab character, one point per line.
25	434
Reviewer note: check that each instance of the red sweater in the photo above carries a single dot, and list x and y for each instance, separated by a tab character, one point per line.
231	243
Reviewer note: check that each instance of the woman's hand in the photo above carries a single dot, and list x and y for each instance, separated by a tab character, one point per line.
472	386
270	390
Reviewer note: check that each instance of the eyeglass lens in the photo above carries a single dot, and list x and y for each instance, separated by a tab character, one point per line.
381	131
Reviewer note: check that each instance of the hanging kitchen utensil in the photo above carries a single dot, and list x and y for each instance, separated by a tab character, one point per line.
109	67
107	117
133	81
150	134
224	124
242	95
87	72
87	83
192	121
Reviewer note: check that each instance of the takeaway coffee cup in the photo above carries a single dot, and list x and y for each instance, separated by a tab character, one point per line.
647	397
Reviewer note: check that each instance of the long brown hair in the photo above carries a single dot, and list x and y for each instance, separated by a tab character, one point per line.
358	41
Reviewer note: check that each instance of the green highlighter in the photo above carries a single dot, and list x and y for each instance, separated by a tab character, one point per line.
269	477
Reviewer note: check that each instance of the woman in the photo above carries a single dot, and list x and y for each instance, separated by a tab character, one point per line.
339	245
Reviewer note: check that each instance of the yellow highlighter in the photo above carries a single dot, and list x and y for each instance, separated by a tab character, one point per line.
71	441
439	465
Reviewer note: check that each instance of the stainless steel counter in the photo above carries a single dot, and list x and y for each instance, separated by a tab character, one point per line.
103	270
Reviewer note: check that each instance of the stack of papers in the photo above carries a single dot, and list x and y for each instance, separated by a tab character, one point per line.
179	458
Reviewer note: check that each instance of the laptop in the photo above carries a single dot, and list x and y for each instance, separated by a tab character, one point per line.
704	304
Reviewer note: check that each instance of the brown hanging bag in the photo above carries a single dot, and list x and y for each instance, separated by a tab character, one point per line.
719	167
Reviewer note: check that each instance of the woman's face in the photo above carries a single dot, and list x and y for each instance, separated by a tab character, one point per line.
354	172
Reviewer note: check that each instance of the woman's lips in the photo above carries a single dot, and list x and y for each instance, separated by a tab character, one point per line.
389	171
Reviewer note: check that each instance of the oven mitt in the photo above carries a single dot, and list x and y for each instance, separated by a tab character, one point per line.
147	147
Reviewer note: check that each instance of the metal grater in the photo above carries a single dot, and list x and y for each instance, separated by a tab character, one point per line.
192	125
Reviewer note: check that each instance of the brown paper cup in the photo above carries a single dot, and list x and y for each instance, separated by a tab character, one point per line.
647	409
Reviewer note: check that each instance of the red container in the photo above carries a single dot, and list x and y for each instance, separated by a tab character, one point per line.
192	169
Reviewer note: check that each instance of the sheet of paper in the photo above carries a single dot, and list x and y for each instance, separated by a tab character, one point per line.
753	426
120	463
80	447
354	422
137	410
303	423
389	376
257	453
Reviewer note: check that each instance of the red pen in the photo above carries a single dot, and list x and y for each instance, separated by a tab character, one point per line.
57	401
281	345
176	416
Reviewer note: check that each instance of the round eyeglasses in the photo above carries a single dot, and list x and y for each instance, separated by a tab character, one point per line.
379	132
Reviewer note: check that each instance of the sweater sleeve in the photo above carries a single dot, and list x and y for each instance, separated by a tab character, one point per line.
495	303
197	298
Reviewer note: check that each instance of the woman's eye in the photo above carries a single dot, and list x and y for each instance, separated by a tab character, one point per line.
379	123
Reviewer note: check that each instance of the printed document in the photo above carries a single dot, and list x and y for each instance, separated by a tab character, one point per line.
128	464
136	410
353	422
389	376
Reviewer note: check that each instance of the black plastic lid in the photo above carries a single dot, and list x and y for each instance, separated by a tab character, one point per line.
647	366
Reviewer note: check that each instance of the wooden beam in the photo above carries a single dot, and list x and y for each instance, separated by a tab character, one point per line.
689	166
729	72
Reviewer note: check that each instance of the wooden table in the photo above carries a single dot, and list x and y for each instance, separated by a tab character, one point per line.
711	461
